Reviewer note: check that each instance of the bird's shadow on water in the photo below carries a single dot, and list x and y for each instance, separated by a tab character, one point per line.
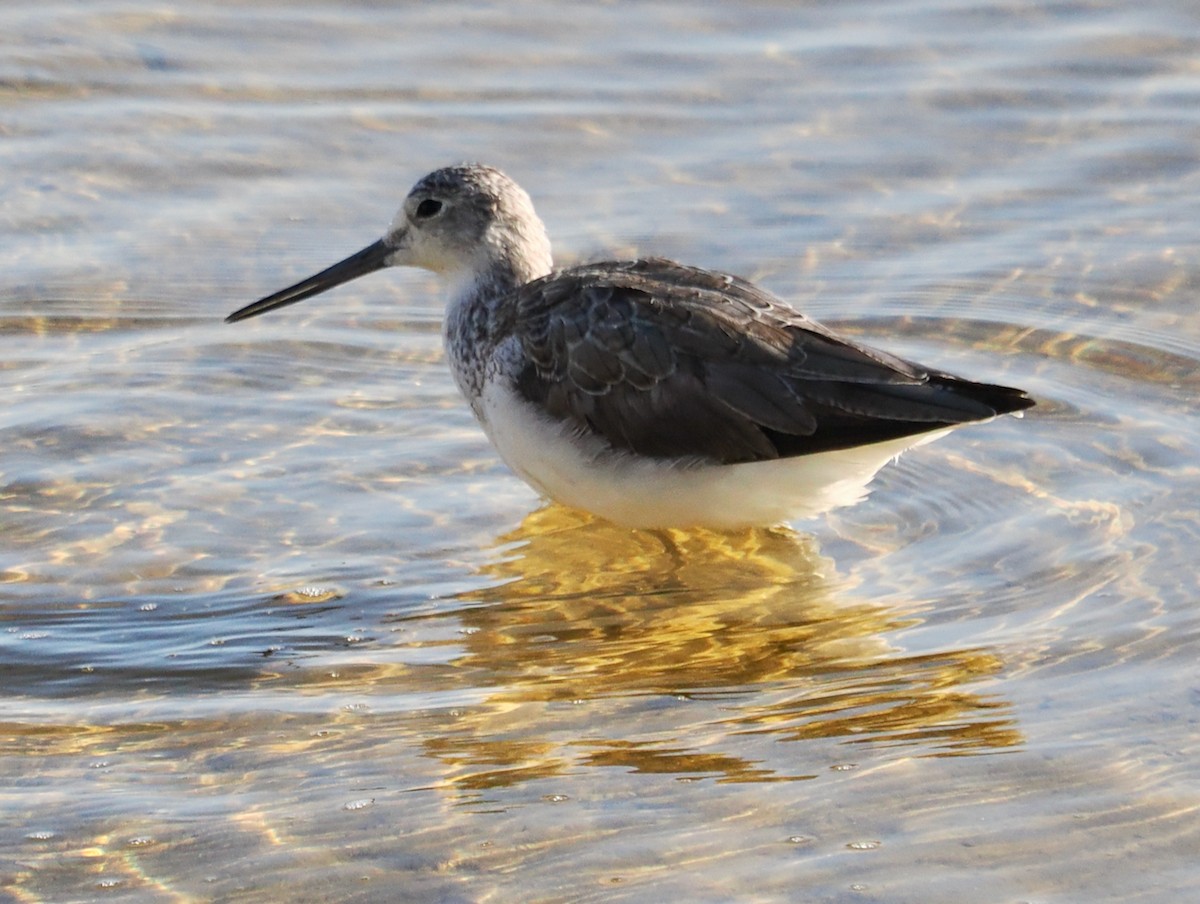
602	646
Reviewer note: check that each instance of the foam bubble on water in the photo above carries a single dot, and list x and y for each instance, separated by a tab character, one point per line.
863	845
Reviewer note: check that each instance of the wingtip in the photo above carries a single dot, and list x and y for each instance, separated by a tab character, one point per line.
1016	402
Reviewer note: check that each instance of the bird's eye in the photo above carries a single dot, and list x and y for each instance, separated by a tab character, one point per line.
428	208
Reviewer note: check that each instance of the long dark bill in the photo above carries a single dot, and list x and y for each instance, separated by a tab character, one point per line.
370	259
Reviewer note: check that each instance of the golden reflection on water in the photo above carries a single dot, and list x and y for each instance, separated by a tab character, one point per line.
758	625
592	654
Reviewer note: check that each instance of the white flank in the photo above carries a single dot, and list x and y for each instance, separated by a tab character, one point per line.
582	472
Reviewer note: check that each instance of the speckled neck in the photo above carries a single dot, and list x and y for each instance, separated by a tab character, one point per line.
478	320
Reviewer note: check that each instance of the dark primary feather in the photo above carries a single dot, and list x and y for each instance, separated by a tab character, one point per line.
670	361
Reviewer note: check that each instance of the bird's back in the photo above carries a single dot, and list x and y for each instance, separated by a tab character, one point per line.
674	362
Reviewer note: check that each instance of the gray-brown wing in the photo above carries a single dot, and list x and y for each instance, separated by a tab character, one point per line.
675	362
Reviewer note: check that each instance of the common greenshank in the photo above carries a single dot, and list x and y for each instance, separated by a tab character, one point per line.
648	392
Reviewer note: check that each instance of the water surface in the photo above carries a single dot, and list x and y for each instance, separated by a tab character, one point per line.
277	624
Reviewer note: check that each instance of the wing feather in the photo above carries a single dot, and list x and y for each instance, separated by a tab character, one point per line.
674	362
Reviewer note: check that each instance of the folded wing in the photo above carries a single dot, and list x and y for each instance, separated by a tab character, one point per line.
669	361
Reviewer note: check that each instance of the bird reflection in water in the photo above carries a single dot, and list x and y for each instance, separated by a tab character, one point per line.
605	647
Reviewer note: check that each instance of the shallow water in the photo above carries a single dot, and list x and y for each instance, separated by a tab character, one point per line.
277	625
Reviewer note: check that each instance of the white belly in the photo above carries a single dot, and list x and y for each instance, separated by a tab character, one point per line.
584	473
